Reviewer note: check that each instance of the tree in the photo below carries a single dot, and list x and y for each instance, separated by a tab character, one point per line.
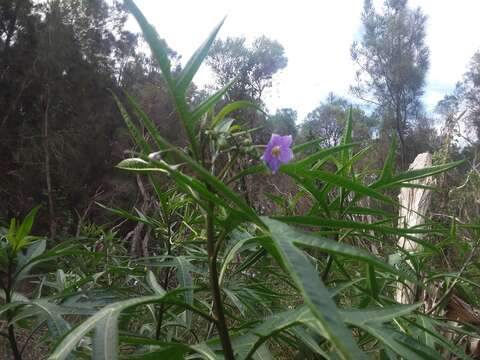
460	109
283	122
392	60
327	122
61	132
252	67
471	91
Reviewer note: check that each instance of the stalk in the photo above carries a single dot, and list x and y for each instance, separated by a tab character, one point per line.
8	299
216	293
162	309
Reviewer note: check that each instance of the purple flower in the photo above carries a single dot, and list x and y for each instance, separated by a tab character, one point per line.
278	151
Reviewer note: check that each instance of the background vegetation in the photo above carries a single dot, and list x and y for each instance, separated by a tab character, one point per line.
165	234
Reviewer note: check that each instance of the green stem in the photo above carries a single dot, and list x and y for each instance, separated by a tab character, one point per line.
216	293
8	299
162	309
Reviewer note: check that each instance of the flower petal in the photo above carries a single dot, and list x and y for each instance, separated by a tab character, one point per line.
274	164
285	141
286	155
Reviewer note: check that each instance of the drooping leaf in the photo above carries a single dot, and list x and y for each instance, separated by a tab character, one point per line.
69	342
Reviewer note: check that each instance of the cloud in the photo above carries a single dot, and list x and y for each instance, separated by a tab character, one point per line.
317	36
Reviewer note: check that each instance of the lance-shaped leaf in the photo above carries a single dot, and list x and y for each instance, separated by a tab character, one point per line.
157	46
196	60
70	341
319	155
314	292
231	107
134	132
303	239
210	102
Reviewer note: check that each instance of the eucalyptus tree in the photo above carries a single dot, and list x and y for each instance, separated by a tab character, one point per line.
283	122
252	65
327	122
57	120
392	60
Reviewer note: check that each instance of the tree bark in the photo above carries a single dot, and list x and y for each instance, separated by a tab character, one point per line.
414	204
48	177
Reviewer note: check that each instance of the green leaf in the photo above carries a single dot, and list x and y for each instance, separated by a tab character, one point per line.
372	282
25	228
149	124
347	137
314	292
153	283
185	280
229	108
276	323
209	103
168	349
105	341
300	147
379	315
196	60
134	132
137	164
404	345
216	184
69	342
389	165
343	182
158	48
416	174
319	155
248	171
124	214
230	255
33	258
302	239
205	352
348	224
170	353
33	251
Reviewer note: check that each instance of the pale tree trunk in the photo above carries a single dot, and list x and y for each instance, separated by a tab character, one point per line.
48	177
414	204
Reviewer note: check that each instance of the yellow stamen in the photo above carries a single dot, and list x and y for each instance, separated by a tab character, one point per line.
276	151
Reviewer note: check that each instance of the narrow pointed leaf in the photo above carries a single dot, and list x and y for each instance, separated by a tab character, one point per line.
196	60
156	44
314	292
105	341
134	132
210	102
231	107
70	341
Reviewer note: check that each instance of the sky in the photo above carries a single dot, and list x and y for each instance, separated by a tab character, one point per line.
317	36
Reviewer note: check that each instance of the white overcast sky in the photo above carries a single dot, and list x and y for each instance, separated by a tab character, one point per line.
317	35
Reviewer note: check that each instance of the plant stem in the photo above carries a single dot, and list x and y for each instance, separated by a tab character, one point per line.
216	293
8	299
162	309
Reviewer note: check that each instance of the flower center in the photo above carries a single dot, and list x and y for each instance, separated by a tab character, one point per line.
276	151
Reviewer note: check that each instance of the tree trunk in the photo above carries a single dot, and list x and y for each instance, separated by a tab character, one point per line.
414	204
48	177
